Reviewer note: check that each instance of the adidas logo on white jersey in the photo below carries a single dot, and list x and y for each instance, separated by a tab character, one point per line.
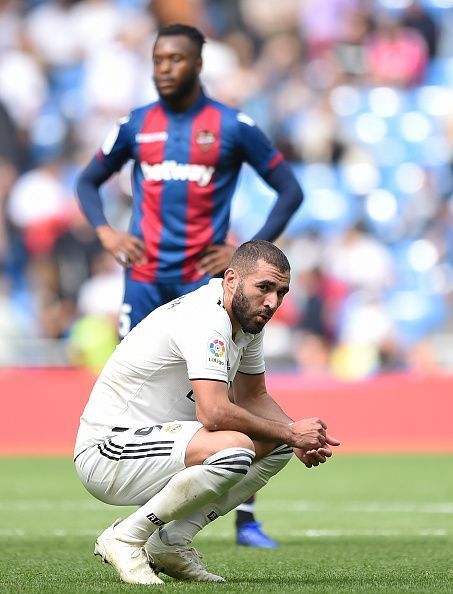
171	170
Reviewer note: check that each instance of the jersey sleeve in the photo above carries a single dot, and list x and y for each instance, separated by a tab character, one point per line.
255	147
252	361
117	148
205	350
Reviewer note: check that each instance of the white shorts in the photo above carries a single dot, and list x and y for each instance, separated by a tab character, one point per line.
132	466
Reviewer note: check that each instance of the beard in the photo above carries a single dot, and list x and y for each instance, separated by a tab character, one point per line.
186	86
245	315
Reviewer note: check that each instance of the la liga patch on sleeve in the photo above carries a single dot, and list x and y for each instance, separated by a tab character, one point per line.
216	353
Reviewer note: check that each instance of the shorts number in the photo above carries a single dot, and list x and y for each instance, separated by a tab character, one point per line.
124	321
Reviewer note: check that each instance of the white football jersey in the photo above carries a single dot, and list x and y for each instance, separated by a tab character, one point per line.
146	381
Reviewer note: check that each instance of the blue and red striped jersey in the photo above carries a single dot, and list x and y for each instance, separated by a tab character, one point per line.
186	166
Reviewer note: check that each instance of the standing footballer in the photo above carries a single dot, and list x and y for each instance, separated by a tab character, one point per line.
187	151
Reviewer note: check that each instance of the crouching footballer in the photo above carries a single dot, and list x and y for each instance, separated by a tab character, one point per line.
180	423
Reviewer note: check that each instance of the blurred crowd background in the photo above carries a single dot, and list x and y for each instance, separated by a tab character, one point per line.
358	96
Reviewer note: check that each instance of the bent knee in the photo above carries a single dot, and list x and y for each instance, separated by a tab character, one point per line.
207	443
235	439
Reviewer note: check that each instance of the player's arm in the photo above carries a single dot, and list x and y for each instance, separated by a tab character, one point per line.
124	247
289	197
217	413
250	392
257	150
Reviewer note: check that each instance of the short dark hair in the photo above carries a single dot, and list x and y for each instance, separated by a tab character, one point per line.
245	258
196	36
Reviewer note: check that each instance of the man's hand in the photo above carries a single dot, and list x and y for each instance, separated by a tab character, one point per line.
216	259
124	247
310	435
313	457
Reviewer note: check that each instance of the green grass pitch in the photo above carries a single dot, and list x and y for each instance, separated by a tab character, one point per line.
360	523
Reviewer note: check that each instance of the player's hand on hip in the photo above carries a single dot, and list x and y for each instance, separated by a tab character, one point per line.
216	258
310	434
124	247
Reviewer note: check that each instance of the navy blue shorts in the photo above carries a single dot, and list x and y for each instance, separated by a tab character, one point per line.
140	299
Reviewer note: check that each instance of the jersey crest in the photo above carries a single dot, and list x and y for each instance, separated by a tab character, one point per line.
205	139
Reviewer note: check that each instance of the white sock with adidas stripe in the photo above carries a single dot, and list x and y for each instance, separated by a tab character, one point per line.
186	492
184	531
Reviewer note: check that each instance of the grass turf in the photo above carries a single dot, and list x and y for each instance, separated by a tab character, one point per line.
358	524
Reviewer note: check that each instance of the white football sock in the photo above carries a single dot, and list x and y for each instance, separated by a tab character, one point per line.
183	531
186	492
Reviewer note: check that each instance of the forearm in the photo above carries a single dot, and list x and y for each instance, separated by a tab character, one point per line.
217	413
267	408
263	405
290	197
88	184
236	418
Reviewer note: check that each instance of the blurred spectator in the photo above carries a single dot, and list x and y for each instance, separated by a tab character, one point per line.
418	18
52	35
422	358
10	23
314	319
359	260
350	46
102	293
266	17
92	340
38	205
9	167
395	54
74	255
322	23
312	355
94	335
175	11
23	84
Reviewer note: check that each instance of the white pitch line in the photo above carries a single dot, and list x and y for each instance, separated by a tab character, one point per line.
326	532
45	505
398	507
309	532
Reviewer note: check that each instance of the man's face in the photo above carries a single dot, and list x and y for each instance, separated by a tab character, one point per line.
176	66
258	296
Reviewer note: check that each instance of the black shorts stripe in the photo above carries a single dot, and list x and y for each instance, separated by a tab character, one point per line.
114	445
149	455
139	451
139	447
135	448
281	451
242	456
117	456
101	451
239	462
115	452
145	443
236	470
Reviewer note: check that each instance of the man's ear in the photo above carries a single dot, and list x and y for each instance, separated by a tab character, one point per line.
199	65
231	279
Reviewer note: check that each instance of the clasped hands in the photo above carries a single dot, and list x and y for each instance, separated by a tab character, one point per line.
311	442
